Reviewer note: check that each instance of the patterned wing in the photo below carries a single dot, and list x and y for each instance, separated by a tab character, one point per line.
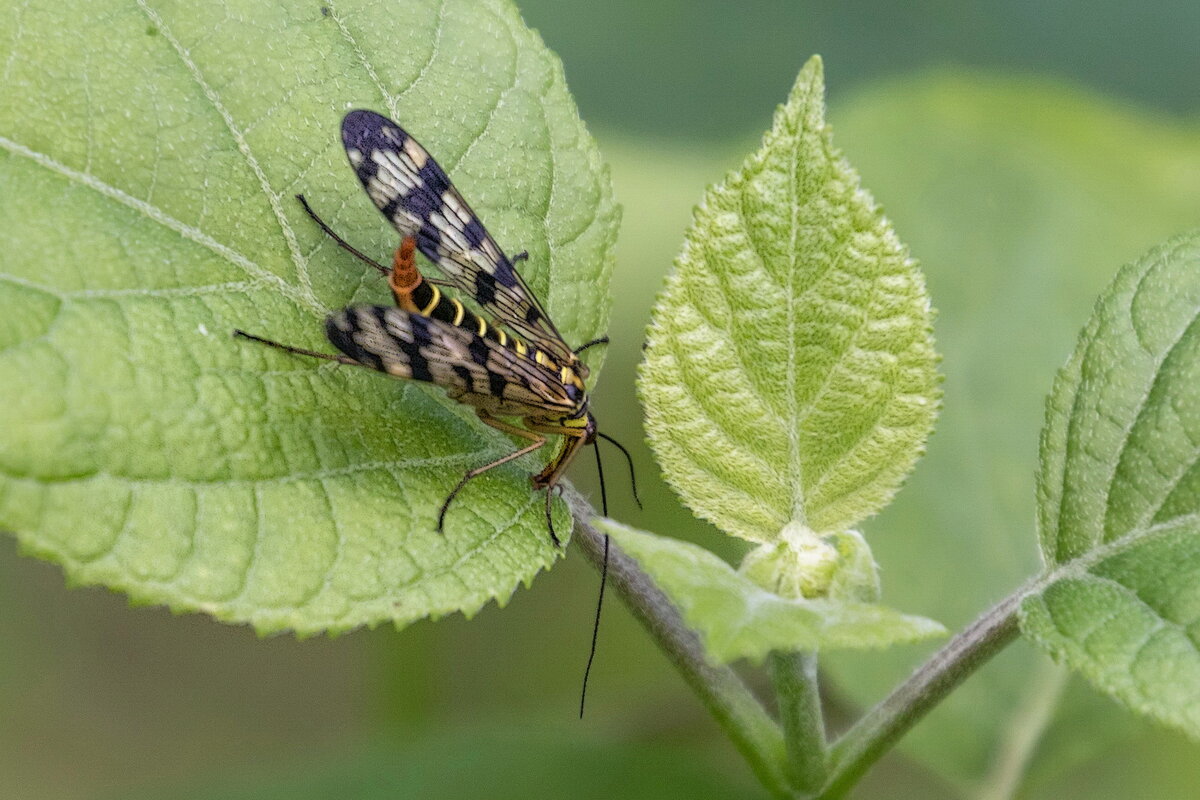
473	369
414	193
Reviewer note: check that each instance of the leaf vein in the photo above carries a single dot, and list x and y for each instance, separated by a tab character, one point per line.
157	215
361	55
394	105
1142	409
243	146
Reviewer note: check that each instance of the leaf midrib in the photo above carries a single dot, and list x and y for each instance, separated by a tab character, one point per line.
1081	565
1077	416
156	214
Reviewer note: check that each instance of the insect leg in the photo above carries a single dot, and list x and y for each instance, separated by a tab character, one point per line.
573	440
592	343
537	441
300	351
354	251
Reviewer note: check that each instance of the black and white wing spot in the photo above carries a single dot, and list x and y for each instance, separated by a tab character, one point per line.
415	194
473	368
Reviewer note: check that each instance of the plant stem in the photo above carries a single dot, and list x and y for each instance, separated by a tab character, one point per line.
723	693
884	724
794	676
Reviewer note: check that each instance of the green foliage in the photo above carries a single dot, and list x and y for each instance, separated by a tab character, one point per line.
1021	197
790	372
789	384
739	619
149	156
147	211
1119	497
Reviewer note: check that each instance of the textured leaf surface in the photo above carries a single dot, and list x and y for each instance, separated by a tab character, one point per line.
739	619
790	372
1119	493
1022	197
149	153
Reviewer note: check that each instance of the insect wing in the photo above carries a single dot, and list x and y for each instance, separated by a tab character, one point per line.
412	191
472	368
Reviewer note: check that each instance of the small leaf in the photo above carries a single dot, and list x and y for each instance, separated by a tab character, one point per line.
790	372
149	154
739	619
838	566
1119	493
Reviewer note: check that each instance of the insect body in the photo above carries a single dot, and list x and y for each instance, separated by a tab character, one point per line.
530	373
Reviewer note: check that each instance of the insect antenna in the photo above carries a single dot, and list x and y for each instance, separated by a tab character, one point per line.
628	460
592	343
595	628
342	243
599	600
600	475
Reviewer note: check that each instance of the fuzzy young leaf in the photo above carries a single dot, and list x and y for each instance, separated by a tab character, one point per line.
1119	493
739	619
790	372
149	154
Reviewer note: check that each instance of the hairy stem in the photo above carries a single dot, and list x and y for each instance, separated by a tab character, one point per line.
794	676
884	724
727	698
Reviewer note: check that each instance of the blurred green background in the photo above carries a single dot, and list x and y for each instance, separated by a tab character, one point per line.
1023	150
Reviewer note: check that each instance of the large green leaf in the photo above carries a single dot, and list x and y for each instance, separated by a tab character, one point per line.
1021	197
1119	493
790	373
148	153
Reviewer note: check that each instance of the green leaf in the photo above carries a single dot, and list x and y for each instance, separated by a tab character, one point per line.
1119	493
1042	189
738	619
790	372
149	155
